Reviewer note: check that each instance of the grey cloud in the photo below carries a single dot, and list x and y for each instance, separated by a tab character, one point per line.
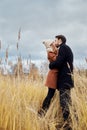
42	20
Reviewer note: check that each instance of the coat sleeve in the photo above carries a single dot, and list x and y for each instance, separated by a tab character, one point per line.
59	60
52	56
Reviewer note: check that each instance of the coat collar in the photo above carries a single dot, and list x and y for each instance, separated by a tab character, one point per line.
61	44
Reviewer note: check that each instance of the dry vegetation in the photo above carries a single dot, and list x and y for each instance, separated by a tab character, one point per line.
20	99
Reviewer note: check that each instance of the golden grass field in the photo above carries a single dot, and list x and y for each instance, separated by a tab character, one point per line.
20	99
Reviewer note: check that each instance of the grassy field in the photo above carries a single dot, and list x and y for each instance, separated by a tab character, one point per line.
20	99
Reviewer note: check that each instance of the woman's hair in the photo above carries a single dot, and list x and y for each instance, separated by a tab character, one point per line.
63	38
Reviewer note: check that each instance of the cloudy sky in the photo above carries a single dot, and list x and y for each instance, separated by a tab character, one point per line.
43	19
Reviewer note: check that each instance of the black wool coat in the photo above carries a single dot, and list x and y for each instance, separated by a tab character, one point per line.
64	63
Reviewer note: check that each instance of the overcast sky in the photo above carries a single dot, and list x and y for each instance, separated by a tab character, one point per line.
43	19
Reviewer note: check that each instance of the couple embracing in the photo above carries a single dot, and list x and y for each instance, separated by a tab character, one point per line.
59	76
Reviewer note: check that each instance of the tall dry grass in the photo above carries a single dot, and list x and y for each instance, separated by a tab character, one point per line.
20	100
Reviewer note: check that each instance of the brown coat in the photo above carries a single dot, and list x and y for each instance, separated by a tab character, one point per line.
51	80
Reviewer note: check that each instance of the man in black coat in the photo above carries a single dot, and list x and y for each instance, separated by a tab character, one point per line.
64	63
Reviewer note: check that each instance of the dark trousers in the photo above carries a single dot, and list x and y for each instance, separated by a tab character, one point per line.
47	100
65	102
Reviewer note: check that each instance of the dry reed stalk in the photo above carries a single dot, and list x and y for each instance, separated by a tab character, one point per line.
19	37
86	60
19	34
0	44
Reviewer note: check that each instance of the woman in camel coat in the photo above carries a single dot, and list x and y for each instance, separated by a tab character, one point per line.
51	79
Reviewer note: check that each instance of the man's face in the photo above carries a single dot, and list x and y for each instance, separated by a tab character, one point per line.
56	42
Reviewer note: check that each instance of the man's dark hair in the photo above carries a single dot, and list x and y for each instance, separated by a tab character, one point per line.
61	37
